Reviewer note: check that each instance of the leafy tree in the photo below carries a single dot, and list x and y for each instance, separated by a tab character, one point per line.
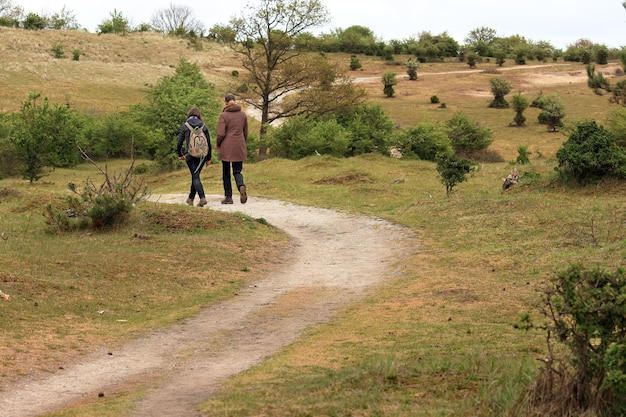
389	80
467	135
168	102
453	170
117	24
590	153
480	40
45	135
178	20
519	103
356	40
500	87
426	141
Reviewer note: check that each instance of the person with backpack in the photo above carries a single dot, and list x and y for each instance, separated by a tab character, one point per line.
194	147
232	135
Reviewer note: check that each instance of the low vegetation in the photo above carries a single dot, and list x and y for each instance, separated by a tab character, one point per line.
443	336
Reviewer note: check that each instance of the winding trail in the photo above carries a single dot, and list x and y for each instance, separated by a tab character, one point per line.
335	259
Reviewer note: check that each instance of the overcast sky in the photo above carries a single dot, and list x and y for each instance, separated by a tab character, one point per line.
560	22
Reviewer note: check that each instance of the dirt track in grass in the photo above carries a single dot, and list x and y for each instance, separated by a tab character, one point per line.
335	258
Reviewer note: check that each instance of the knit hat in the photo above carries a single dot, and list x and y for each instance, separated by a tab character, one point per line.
229	97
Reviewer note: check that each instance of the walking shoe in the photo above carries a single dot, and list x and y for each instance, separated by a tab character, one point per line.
190	201
227	200
202	202
243	196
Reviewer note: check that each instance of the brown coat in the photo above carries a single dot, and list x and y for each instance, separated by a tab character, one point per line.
232	134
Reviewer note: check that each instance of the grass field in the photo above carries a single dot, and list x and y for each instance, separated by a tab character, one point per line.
436	340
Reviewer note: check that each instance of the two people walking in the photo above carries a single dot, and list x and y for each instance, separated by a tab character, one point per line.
232	136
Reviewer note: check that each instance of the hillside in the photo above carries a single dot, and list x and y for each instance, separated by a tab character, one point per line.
113	71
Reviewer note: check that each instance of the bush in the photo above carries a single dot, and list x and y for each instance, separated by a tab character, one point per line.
552	111
519	104
467	135
425	141
98	207
590	153
434	100
500	87
389	80
299	137
585	312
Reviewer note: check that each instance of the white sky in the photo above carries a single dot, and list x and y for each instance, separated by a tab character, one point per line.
560	22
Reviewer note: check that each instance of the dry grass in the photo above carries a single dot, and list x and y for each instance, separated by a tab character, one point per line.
444	323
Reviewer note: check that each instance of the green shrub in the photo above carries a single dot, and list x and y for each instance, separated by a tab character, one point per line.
434	100
552	111
519	104
590	153
46	135
57	51
467	135
500	87
453	170
585	312
389	80
355	63
425	141
98	206
369	127
299	137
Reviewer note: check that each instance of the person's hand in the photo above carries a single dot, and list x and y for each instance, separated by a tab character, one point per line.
182	157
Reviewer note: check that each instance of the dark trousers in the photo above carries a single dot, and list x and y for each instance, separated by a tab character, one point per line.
195	167
237	168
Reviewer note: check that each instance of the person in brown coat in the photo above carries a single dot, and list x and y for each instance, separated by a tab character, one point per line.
232	135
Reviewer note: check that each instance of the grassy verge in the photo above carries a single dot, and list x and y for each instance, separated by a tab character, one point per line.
71	292
439	339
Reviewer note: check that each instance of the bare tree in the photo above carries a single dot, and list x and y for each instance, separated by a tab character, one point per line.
9	10
284	81
177	19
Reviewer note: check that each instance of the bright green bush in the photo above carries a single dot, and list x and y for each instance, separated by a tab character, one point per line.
299	137
45	135
585	312
590	153
467	135
425	140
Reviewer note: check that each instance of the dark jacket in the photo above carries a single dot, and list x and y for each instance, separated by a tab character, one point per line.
232	134
183	136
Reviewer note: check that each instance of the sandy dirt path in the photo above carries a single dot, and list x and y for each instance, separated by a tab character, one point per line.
335	258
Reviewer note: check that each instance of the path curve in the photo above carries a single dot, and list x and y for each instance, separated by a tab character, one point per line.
335	258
